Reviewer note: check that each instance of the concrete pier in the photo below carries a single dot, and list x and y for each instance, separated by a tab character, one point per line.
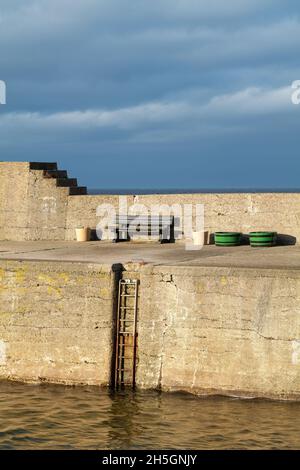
215	321
218	321
103	252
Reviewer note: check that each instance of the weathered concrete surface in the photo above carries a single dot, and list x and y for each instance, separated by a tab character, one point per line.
31	207
13	200
47	208
155	253
243	212
231	331
35	208
222	320
56	322
82	211
211	321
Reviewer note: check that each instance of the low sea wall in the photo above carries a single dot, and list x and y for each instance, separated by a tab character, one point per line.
230	331
56	322
242	212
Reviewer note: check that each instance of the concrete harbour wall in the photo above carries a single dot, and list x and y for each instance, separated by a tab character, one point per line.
56	322
243	212
231	331
14	181
204	330
33	207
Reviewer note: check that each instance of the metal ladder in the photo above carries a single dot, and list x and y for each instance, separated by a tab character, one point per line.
126	334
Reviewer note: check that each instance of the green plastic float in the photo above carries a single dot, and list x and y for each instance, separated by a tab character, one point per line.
263	238
228	238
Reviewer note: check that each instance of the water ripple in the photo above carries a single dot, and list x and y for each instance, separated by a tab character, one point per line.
57	417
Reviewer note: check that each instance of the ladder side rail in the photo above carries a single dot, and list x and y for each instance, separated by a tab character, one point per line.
135	333
117	342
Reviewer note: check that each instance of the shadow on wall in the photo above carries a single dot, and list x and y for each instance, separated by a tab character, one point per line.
282	239
93	235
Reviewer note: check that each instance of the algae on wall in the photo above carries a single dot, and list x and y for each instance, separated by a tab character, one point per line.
56	322
204	330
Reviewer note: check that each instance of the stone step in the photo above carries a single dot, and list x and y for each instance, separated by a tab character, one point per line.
55	174
42	166
76	191
66	182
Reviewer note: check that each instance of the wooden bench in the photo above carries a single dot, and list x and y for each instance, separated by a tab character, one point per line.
161	226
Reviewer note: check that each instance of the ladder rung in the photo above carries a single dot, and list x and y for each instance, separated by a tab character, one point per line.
126	308
127	295
124	319
126	333
131	283
124	370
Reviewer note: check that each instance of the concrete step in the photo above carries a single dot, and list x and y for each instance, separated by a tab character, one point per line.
55	174
77	190
66	182
42	166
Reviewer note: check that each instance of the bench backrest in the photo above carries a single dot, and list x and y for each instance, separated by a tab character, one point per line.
145	219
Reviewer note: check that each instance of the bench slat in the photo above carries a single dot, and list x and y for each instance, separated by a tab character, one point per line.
147	224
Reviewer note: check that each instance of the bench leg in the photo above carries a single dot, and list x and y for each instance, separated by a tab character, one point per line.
115	240
165	235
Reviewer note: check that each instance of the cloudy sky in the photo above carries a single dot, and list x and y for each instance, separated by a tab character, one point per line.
160	93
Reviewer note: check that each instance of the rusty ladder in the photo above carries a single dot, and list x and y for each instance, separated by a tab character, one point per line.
126	334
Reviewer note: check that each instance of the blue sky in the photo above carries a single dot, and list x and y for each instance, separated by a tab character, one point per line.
161	93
